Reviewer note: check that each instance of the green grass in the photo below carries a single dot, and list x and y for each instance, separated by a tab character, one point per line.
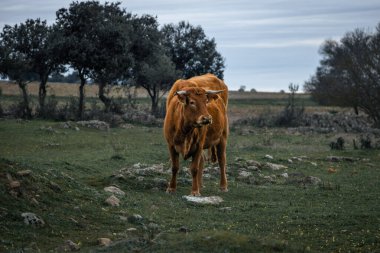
342	215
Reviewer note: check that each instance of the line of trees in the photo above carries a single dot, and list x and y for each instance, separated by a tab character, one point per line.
349	73
104	43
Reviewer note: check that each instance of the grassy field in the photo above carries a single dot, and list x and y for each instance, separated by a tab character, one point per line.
265	212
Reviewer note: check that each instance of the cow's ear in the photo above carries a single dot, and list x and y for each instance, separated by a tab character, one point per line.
212	97
182	96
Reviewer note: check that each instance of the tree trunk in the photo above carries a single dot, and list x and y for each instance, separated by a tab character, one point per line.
26	110
81	97
106	101
154	107
42	93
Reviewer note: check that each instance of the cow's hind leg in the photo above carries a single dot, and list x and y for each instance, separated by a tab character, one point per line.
221	153
174	157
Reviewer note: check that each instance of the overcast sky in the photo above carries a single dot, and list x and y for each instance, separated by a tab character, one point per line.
266	44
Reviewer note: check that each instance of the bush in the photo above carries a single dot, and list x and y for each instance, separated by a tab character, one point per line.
50	109
338	145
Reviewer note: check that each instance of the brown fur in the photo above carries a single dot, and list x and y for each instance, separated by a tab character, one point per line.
184	112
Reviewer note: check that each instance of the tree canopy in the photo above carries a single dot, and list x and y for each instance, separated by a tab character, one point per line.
104	43
191	51
349	73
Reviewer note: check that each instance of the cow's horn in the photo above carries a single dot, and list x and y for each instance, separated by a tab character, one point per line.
181	92
213	91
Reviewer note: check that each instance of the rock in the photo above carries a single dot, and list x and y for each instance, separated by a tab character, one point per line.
244	174
341	158
24	173
269	157
104	242
135	218
184	229
212	200
113	201
96	124
55	187
69	246
14	184
254	163
312	180
314	164
226	209
32	219
284	175
115	190
274	167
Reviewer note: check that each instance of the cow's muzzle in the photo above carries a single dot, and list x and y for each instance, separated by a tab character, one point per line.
203	121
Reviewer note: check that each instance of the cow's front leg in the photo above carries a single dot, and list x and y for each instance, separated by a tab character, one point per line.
174	157
196	173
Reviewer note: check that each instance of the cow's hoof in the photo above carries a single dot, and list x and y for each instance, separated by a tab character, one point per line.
170	190
223	189
195	193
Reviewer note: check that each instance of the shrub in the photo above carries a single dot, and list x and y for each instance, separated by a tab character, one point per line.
338	145
365	142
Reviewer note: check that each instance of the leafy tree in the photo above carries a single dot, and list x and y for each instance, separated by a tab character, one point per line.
15	59
191	51
112	59
153	69
349	73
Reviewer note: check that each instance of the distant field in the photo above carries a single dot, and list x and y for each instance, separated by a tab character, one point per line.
241	104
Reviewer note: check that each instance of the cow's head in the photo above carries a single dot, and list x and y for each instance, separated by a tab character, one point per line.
195	102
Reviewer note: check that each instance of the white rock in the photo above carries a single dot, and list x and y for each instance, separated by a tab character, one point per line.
274	166
285	175
32	219
245	174
104	242
113	201
269	157
115	190
212	200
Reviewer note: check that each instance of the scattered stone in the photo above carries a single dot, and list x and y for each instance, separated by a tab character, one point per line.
55	187
341	159
153	226
34	201
226	209
269	157
254	163
131	229
14	184
32	219
24	173
212	200
135	218
69	246
312	180
284	175
96	124
290	161
160	183
115	190
244	174
314	164
274	166
104	242
113	201
184	229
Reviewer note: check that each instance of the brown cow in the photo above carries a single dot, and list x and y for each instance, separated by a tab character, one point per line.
196	119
